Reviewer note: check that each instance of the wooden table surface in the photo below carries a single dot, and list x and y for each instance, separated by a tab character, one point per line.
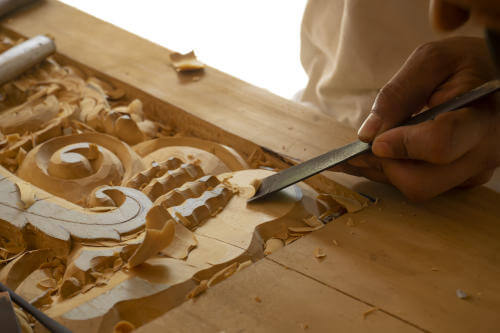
405	259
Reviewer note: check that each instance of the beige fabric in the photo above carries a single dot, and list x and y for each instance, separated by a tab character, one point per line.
350	48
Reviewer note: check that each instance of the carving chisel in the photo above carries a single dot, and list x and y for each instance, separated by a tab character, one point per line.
323	162
22	57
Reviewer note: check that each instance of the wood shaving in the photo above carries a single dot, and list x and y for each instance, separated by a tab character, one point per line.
273	245
335	242
9	259
292	239
160	230
186	62
367	313
27	194
350	222
223	274
123	326
313	222
244	265
199	289
282	234
319	253
48	283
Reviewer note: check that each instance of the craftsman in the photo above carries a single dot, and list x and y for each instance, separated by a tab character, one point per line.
371	40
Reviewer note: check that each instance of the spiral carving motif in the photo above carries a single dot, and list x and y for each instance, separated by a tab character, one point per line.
72	166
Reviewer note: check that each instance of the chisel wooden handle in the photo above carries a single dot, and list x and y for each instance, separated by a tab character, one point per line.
20	58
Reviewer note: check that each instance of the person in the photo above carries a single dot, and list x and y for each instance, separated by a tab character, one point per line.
347	73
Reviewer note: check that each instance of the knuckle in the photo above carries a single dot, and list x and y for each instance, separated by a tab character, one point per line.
429	50
388	98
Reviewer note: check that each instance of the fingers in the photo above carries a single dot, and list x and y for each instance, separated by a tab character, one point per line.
407	92
420	181
434	72
440	141
445	16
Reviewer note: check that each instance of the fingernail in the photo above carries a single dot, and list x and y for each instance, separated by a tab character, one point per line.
382	149
370	127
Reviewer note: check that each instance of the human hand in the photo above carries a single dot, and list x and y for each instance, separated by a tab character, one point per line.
458	148
451	14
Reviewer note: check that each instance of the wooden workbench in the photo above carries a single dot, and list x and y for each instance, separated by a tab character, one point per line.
405	259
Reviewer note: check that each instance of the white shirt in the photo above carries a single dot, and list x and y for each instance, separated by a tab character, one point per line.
351	48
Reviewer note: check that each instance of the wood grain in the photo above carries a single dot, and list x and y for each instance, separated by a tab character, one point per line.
407	259
267	297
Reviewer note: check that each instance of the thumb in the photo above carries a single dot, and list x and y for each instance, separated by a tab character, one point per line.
409	90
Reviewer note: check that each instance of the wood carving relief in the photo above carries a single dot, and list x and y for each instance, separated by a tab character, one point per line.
103	210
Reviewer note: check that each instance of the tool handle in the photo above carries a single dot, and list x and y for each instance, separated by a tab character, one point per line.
52	325
20	58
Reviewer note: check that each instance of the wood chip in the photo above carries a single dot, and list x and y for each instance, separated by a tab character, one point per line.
319	253
273	245
185	62
304	326
350	222
313	221
48	283
292	239
160	230
350	203
223	274
27	194
257	299
123	326
372	310
244	265
199	289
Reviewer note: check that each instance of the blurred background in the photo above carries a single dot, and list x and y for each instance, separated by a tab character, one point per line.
257	41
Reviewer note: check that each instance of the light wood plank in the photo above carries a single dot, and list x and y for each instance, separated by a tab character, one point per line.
289	302
409	259
250	112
